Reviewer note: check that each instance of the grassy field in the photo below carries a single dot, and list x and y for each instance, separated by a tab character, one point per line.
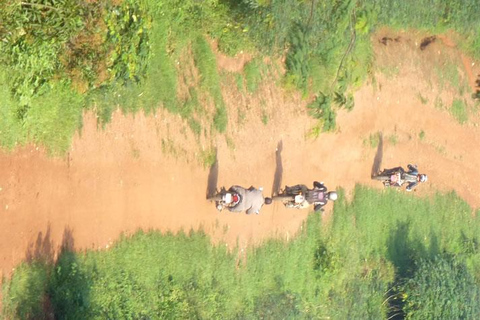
108	55
384	254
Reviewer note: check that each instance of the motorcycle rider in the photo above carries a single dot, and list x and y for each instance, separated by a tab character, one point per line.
411	175
318	196
251	199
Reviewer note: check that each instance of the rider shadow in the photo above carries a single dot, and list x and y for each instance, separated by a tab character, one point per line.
377	161
42	249
277	179
213	177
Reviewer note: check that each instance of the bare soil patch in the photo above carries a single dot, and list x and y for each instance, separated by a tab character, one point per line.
142	172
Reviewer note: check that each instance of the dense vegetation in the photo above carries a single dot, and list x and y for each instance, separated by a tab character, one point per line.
60	57
384	255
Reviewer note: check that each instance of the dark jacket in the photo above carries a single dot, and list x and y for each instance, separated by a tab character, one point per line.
318	196
410	175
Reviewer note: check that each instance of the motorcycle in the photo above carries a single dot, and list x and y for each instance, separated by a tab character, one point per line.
395	179
296	197
225	199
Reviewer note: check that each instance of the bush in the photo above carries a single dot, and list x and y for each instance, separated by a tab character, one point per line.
442	288
25	293
321	108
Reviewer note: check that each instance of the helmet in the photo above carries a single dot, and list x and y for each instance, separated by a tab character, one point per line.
227	198
268	200
299	198
332	195
423	178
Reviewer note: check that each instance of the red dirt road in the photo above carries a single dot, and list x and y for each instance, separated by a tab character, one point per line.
126	177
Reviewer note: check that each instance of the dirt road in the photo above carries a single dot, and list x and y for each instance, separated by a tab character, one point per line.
141	173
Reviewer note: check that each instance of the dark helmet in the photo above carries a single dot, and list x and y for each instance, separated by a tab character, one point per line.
423	178
268	200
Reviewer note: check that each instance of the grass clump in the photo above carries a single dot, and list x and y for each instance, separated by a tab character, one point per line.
26	292
51	120
372	141
393	139
422	99
210	80
323	109
253	75
421	135
208	157
456	293
459	111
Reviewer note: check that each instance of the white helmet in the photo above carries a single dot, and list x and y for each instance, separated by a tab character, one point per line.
299	198
227	198
332	195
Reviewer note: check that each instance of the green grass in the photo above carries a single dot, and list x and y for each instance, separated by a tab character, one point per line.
380	248
390	72
26	291
393	139
459	111
448	74
421	135
439	103
241	117
265	118
436	16
208	157
11	131
253	74
372	141
239	81
169	147
126	54
51	120
210	80
422	99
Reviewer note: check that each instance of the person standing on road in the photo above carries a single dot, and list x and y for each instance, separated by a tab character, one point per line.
251	200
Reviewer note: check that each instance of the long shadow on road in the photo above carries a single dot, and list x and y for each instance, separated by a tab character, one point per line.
62	278
277	178
377	161
213	178
42	250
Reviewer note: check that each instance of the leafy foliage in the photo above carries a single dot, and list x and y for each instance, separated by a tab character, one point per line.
127	53
26	292
128	26
253	74
321	108
442	288
64	49
33	36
